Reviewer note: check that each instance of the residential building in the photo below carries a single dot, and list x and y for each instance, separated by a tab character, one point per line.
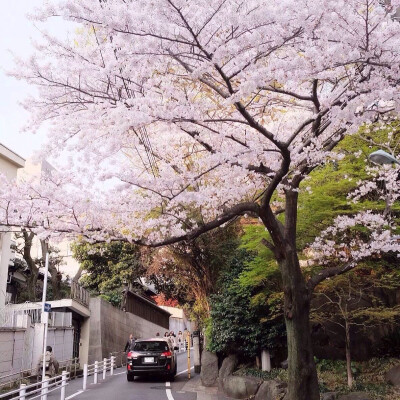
10	162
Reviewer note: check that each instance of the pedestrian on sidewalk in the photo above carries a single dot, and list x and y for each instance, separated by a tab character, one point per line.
180	340
129	343
171	338
50	362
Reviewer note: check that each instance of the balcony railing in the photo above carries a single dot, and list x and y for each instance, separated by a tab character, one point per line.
22	318
79	294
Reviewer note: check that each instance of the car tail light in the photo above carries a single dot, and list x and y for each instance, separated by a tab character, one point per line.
168	366
167	354
132	354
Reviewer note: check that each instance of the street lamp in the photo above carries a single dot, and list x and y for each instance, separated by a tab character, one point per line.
382	157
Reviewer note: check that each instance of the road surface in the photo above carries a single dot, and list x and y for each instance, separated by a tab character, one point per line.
117	387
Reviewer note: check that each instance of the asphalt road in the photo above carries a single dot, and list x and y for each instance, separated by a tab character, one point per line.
117	387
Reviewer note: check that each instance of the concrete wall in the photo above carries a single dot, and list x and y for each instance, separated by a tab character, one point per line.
110	329
20	349
11	350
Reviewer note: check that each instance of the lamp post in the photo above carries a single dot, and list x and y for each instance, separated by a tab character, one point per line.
382	157
45	316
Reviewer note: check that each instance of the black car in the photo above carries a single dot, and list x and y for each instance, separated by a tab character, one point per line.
150	357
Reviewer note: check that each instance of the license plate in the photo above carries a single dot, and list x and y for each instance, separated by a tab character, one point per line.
148	359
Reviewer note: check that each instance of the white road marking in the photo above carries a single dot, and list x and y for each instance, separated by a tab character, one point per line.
120	373
73	395
167	384
169	394
182	372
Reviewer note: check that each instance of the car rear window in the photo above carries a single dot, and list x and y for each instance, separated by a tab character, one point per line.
150	346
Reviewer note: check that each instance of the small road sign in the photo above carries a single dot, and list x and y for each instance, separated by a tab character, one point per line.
47	307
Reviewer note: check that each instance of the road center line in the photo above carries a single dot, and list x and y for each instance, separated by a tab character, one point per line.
167	384
73	395
169	394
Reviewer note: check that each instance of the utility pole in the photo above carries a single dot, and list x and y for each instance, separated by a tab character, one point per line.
188	353
45	316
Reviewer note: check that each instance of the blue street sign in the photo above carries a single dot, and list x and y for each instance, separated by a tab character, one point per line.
47	307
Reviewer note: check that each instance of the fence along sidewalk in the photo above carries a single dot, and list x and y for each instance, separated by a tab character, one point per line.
40	389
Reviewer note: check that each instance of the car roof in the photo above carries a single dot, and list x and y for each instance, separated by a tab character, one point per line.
156	339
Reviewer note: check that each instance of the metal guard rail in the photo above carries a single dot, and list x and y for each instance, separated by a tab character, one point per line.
97	367
70	364
40	389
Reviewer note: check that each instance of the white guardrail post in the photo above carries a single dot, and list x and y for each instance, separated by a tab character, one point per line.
104	368
112	366
63	384
85	375
45	385
96	366
22	391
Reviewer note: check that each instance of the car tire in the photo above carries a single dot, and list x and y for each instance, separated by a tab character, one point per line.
171	376
130	377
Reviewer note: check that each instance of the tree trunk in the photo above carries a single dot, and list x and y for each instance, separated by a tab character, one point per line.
350	379
78	274
33	269
302	373
55	277
31	283
55	281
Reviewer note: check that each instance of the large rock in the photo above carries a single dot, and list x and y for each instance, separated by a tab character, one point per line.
240	387
271	390
355	396
228	366
209	368
393	375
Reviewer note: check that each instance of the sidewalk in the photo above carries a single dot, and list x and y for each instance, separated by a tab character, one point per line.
203	392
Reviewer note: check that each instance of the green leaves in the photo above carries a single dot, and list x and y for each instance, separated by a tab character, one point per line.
108	267
239	324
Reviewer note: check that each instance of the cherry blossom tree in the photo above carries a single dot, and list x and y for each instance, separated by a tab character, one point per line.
194	113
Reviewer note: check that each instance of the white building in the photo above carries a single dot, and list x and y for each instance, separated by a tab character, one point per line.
10	162
178	320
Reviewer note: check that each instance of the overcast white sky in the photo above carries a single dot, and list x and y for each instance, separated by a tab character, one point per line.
16	32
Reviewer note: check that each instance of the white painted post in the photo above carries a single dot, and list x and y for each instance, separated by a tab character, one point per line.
266	361
112	366
104	368
85	373
96	368
22	391
45	316
45	390
63	384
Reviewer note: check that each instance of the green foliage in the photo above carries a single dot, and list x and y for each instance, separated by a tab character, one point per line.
108	267
238	325
322	197
189	271
332	377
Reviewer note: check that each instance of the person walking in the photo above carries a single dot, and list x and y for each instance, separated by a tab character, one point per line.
129	343
180	340
50	364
